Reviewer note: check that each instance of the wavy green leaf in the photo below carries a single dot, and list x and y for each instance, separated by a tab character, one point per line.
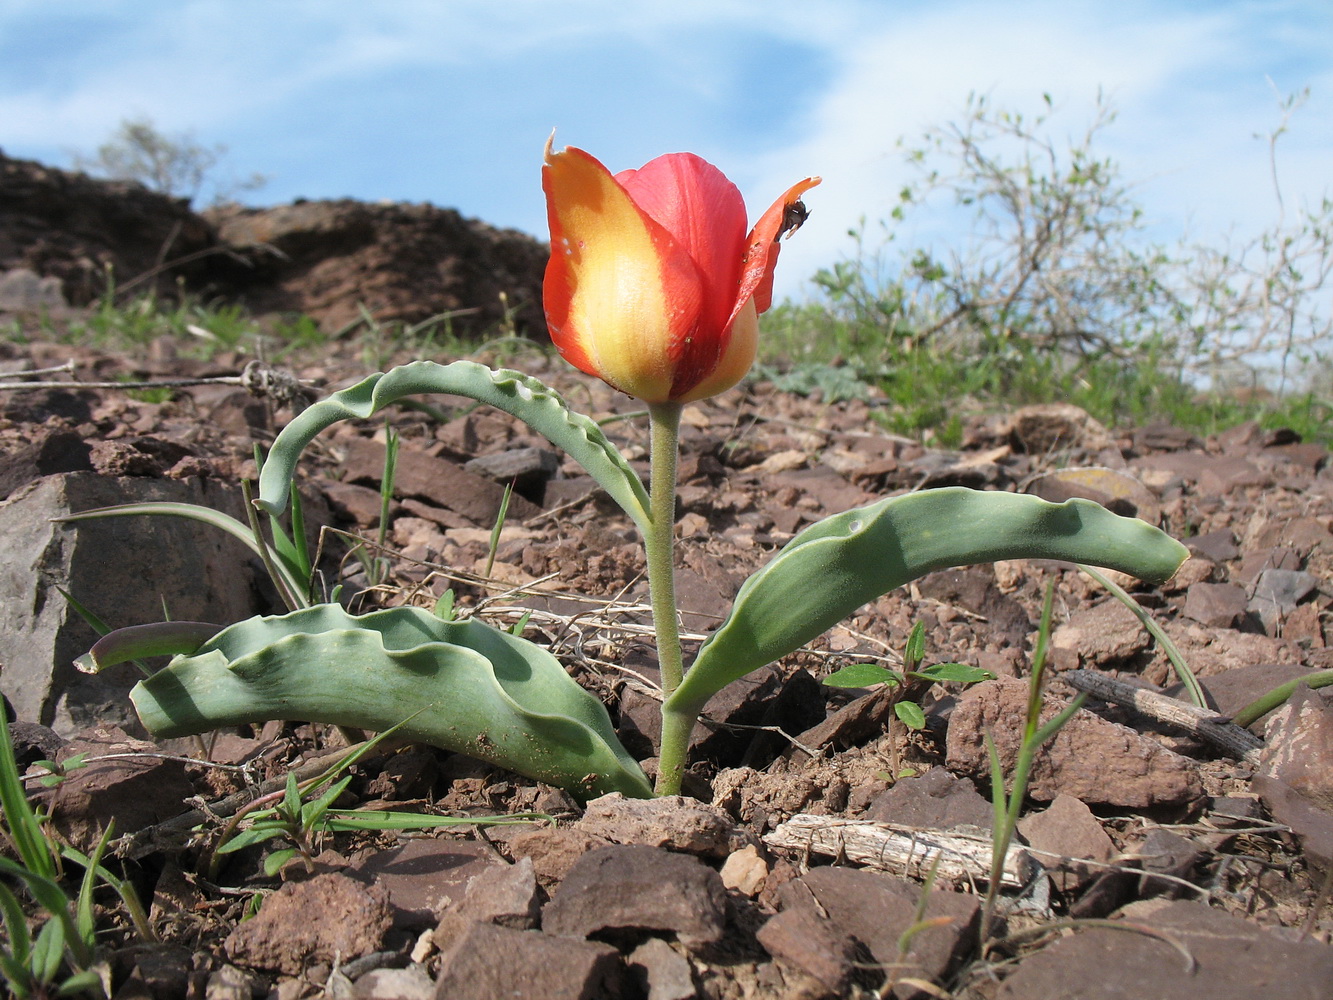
840	563
463	686
531	400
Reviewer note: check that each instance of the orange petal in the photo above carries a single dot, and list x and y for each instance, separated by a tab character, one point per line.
761	253
620	293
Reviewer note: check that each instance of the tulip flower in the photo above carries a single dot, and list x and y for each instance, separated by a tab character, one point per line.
653	284
655	287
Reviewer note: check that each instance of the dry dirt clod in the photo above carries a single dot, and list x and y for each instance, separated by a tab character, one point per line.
351	920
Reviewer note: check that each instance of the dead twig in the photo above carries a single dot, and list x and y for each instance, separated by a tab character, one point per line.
1216	730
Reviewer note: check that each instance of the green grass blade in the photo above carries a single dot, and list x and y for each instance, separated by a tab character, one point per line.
1183	673
20	818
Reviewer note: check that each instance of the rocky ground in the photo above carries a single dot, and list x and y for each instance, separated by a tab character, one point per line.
797	867
1162	853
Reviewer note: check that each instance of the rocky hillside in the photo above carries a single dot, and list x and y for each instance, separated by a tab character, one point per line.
326	259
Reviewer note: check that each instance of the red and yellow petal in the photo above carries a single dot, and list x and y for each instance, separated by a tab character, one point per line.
620	294
742	340
761	253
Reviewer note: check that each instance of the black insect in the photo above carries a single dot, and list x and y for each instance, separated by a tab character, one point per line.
793	217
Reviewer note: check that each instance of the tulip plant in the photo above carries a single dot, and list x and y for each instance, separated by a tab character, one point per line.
655	286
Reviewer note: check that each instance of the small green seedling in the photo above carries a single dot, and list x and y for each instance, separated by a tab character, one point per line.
304	813
912	681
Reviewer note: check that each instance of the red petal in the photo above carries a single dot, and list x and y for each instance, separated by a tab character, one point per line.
761	253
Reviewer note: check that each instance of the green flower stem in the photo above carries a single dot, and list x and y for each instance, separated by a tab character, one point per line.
658	545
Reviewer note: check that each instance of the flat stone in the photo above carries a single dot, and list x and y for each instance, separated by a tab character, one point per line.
811	945
488	962
1231	690
326	919
875	909
359	504
425	876
1255	561
412	983
553	850
507	895
134	792
202	574
1114	489
1061	836
936	800
850	724
1230	959
1092	759
1044	428
1165	853
57	451
1217	605
1312	825
1158	436
1218	546
662	972
675	822
529	469
1298	747
1104	634
1277	592
639	888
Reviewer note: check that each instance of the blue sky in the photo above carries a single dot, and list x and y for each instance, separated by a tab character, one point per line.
450	101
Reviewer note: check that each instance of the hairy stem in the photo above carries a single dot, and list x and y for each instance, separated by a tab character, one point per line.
658	544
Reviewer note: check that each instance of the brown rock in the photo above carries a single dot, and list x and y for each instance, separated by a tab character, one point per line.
1230	959
675	822
1091	759
488	962
1312	825
1050	427
1063	834
811	946
662	972
134	792
435	480
875	909
411	983
1104	634
507	895
67	225
202	574
1218	605
553	850
425	876
401	262
352	921
936	800
1218	546
975	590
1299	746
639	888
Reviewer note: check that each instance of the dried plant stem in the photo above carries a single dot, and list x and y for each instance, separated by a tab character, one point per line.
1207	725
